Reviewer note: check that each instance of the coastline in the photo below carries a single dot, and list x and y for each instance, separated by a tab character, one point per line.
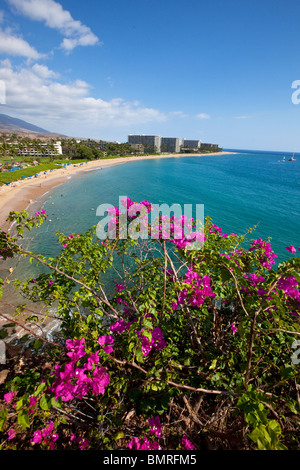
21	194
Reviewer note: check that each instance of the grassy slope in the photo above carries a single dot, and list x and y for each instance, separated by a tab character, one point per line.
8	177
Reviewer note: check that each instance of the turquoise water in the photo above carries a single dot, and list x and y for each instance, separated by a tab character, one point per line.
238	192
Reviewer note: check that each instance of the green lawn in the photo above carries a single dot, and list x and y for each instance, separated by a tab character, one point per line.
9	177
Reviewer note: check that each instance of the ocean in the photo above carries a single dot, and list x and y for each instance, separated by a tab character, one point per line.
238	191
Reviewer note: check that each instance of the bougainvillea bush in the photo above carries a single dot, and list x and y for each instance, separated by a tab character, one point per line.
190	350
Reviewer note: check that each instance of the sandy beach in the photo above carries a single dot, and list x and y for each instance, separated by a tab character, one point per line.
19	195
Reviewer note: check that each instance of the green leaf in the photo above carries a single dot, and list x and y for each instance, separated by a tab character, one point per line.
147	323
213	364
272	424
261	437
37	344
287	372
40	389
3	334
3	418
293	406
45	403
23	420
139	355
56	403
148	335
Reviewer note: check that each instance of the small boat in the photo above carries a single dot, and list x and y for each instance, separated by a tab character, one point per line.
292	159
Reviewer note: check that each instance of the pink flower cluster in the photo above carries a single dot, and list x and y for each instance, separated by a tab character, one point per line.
46	436
234	256
144	443
83	443
254	279
76	382
132	210
157	338
119	287
41	212
267	255
157	341
106	341
120	326
156	428
292	249
8	397
217	230
178	230
186	443
200	290
290	287
70	237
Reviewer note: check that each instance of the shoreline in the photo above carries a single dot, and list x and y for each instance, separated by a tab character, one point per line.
23	193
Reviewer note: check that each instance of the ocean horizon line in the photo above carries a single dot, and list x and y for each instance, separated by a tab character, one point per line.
276	152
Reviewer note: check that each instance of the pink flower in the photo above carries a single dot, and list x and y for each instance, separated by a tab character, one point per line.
8	397
156	426
233	329
76	348
126	202
143	444
83	443
37	437
100	380
93	359
11	434
46	436
119	327
106	339
43	211
186	443
134	444
113	211
37	213
119	287
157	341
291	249
32	404
50	283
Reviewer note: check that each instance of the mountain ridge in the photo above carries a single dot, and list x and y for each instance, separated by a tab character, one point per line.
9	124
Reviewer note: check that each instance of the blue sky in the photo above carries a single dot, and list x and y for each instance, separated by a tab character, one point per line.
219	71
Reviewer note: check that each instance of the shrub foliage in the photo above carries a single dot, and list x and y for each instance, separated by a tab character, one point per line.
191	349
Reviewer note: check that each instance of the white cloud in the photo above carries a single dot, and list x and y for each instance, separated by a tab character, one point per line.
16	46
203	116
36	94
43	71
242	117
179	114
54	16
